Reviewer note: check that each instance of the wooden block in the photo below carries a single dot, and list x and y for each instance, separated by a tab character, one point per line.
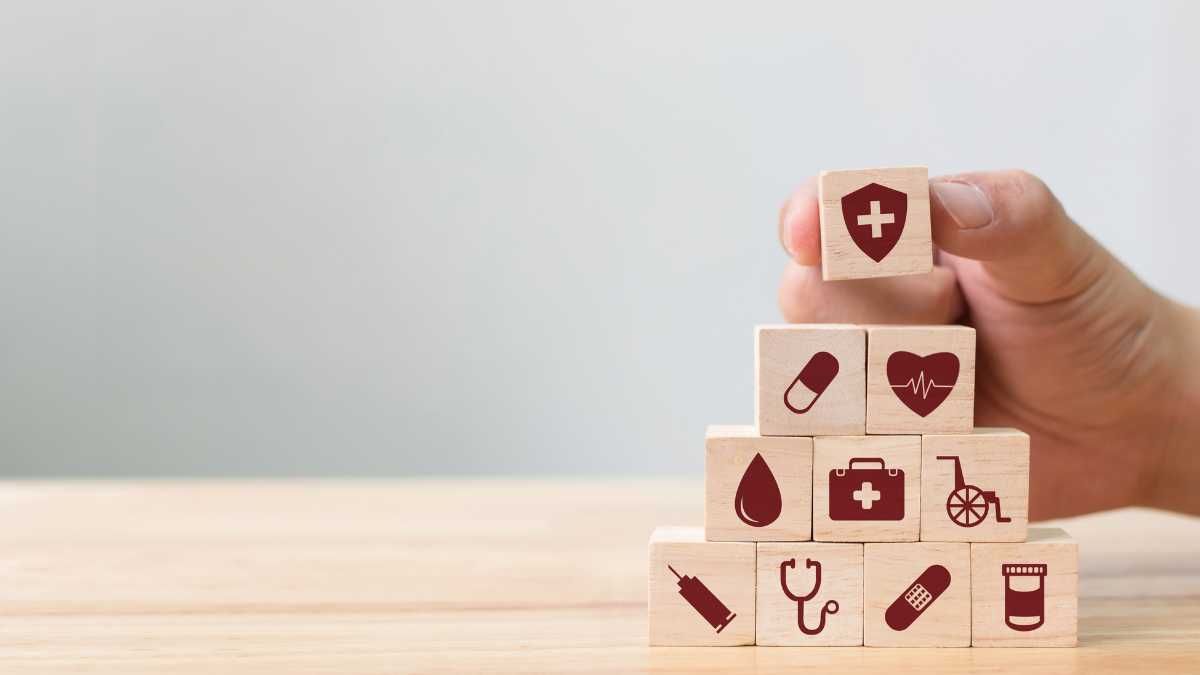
832	574
975	486
866	488
701	592
920	379
810	380
875	223
1026	594
917	595
757	488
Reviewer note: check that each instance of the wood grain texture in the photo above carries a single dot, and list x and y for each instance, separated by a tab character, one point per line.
995	460
834	453
886	413
729	450
723	569
891	569
782	352
841	582
1051	547
463	575
841	258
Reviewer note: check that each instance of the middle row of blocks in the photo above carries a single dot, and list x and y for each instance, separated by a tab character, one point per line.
970	486
838	380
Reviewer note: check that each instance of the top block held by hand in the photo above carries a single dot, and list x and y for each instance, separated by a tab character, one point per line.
875	223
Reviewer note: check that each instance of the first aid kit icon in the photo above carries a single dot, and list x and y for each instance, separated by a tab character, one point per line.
861	493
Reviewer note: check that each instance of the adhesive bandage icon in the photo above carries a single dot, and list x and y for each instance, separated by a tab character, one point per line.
915	599
813	380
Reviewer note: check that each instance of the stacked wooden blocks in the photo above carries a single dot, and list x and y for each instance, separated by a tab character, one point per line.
864	507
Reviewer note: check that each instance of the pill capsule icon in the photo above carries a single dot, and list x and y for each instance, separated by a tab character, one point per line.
813	380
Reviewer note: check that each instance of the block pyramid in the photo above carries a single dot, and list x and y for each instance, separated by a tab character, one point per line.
864	507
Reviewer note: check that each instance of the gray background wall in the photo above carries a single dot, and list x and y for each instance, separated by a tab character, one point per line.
447	237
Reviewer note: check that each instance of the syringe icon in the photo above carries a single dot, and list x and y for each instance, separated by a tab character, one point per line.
702	600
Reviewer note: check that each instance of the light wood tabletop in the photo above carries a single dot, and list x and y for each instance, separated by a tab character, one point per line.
466	576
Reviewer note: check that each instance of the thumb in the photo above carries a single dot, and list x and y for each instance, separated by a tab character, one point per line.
1018	230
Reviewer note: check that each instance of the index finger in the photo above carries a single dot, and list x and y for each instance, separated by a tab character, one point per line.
800	225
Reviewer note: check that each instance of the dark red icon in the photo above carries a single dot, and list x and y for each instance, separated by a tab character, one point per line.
866	494
814	379
922	382
831	606
967	505
1024	595
874	217
758	501
703	601
919	595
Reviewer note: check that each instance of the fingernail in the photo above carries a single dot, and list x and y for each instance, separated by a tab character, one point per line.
965	203
785	232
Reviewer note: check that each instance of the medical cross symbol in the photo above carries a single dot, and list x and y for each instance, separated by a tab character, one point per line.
867	495
876	220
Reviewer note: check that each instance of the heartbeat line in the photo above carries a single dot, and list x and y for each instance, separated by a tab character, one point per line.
921	385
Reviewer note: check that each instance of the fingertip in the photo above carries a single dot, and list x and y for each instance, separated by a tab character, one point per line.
1012	223
987	215
800	226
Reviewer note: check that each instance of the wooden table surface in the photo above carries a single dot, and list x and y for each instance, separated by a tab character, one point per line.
465	576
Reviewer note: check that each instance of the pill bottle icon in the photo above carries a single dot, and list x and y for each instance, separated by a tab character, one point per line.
813	380
1024	595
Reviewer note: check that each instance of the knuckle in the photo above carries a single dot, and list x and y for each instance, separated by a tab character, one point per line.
1030	201
1019	183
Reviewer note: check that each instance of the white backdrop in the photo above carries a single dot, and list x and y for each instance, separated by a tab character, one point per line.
447	237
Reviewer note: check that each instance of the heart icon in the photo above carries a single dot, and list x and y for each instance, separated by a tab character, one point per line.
922	382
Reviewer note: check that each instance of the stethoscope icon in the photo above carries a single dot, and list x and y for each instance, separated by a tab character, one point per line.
831	607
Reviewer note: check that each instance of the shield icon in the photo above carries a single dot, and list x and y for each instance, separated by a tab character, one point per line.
874	216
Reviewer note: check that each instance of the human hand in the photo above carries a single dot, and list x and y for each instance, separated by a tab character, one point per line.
1072	348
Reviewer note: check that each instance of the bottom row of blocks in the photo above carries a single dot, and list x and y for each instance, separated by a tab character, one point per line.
921	594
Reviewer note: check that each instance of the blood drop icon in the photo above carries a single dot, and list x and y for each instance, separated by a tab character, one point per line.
758	501
813	380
